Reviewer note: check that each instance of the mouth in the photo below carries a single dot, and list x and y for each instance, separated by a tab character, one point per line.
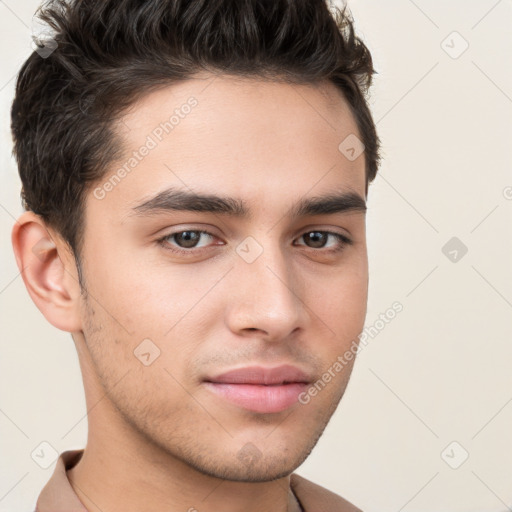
259	389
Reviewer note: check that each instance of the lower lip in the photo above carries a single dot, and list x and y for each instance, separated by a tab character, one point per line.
260	398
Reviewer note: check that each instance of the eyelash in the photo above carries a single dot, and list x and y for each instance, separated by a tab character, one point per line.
344	241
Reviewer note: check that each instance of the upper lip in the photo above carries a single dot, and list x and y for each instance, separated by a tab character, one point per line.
261	375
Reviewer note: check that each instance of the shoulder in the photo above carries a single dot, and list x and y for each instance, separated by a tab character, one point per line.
315	498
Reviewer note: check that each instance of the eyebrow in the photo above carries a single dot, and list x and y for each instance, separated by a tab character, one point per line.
173	199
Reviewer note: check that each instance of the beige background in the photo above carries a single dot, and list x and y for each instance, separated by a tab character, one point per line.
440	371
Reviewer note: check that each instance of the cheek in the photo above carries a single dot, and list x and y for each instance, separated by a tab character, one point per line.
341	297
338	306
137	362
144	298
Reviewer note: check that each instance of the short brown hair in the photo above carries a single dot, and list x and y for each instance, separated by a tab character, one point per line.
110	52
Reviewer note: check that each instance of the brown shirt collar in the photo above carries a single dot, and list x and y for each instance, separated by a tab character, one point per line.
58	495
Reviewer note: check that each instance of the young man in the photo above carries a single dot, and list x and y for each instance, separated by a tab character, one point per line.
195	177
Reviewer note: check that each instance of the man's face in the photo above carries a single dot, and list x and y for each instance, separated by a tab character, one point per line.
162	320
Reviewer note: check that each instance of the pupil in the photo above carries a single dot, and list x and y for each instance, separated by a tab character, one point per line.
318	236
189	237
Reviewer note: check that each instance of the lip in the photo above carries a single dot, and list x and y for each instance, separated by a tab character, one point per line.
259	389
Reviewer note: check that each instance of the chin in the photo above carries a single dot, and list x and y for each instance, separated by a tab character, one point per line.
249	464
263	471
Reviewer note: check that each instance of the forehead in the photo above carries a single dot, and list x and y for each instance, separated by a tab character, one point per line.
267	142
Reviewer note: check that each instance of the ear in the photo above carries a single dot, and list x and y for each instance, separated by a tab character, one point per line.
48	270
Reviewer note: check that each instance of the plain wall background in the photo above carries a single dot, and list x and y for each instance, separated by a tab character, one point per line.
440	371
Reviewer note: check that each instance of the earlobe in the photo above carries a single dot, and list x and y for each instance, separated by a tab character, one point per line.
48	270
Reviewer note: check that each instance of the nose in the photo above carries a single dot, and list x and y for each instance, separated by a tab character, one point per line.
267	297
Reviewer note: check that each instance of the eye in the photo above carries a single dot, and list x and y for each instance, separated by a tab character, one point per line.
185	240
318	240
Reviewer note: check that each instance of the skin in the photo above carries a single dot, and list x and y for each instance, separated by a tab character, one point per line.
156	434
